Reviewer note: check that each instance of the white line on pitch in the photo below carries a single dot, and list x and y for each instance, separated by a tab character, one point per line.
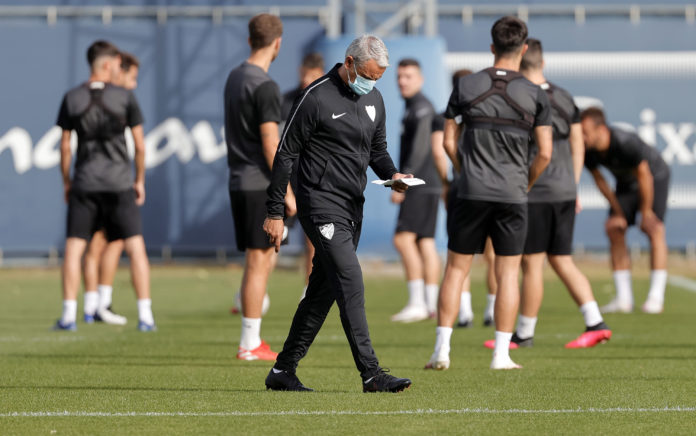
683	282
348	412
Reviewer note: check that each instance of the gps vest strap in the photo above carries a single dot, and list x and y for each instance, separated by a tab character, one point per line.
500	80
565	116
109	123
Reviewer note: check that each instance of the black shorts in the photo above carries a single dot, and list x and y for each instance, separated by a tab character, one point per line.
418	214
472	221
630	201
115	212
550	228
249	213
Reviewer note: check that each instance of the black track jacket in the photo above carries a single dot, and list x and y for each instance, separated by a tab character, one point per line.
335	134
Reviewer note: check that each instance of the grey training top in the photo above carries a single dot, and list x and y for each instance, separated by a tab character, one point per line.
416	151
495	156
557	182
99	113
251	99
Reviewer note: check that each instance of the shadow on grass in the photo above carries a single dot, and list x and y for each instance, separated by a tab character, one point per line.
262	388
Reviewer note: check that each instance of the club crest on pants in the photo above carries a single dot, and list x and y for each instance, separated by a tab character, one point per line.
327	230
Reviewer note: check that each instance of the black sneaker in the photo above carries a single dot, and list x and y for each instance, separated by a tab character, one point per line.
98	318
601	326
465	324
384	382
285	381
487	322
528	342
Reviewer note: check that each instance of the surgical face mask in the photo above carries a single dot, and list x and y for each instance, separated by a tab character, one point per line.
361	85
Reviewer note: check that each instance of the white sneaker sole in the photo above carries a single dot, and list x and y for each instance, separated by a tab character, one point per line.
439	365
112	319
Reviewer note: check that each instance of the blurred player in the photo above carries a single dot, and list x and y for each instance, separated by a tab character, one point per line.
311	69
415	229
552	207
335	130
101	193
466	313
642	185
101	259
252	114
500	109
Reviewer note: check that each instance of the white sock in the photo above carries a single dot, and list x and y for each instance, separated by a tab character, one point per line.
251	333
658	281
442	340
104	296
622	281
91	302
69	312
590	311
416	293
431	293
502	345
490	306
145	311
525	326
466	313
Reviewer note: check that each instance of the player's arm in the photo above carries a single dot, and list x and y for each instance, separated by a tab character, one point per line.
607	192
544	140
451	136
65	159
577	149
380	161
139	159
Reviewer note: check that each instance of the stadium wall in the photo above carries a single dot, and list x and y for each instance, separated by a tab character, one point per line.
185	62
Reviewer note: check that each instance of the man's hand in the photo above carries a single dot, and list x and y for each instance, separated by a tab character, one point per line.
290	204
274	229
398	186
139	188
66	191
578	205
397	197
649	222
616	222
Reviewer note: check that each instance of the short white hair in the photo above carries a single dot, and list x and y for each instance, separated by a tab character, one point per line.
367	47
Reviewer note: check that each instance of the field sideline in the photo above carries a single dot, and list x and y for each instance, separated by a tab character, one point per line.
184	378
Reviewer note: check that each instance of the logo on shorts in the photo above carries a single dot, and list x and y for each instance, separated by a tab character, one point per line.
371	112
327	230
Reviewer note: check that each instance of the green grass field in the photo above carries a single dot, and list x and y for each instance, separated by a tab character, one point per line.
185	379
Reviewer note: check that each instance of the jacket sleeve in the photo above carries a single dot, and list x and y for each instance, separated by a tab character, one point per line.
380	161
298	130
420	148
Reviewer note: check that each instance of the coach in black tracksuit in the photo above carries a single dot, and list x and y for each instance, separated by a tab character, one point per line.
335	130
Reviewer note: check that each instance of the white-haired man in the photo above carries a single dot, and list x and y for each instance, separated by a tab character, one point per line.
335	130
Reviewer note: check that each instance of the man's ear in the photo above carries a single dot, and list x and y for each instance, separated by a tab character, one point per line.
524	49
493	49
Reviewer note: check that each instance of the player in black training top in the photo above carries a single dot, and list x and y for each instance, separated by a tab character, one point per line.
415	228
252	114
102	257
642	185
466	313
496	109
552	207
311	69
335	130
101	192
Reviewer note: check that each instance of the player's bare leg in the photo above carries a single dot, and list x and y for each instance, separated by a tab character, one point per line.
431	273
140	276
580	290
621	265
90	271
257	268
506	305
489	256
658	265
74	248
531	298
415	309
457	269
